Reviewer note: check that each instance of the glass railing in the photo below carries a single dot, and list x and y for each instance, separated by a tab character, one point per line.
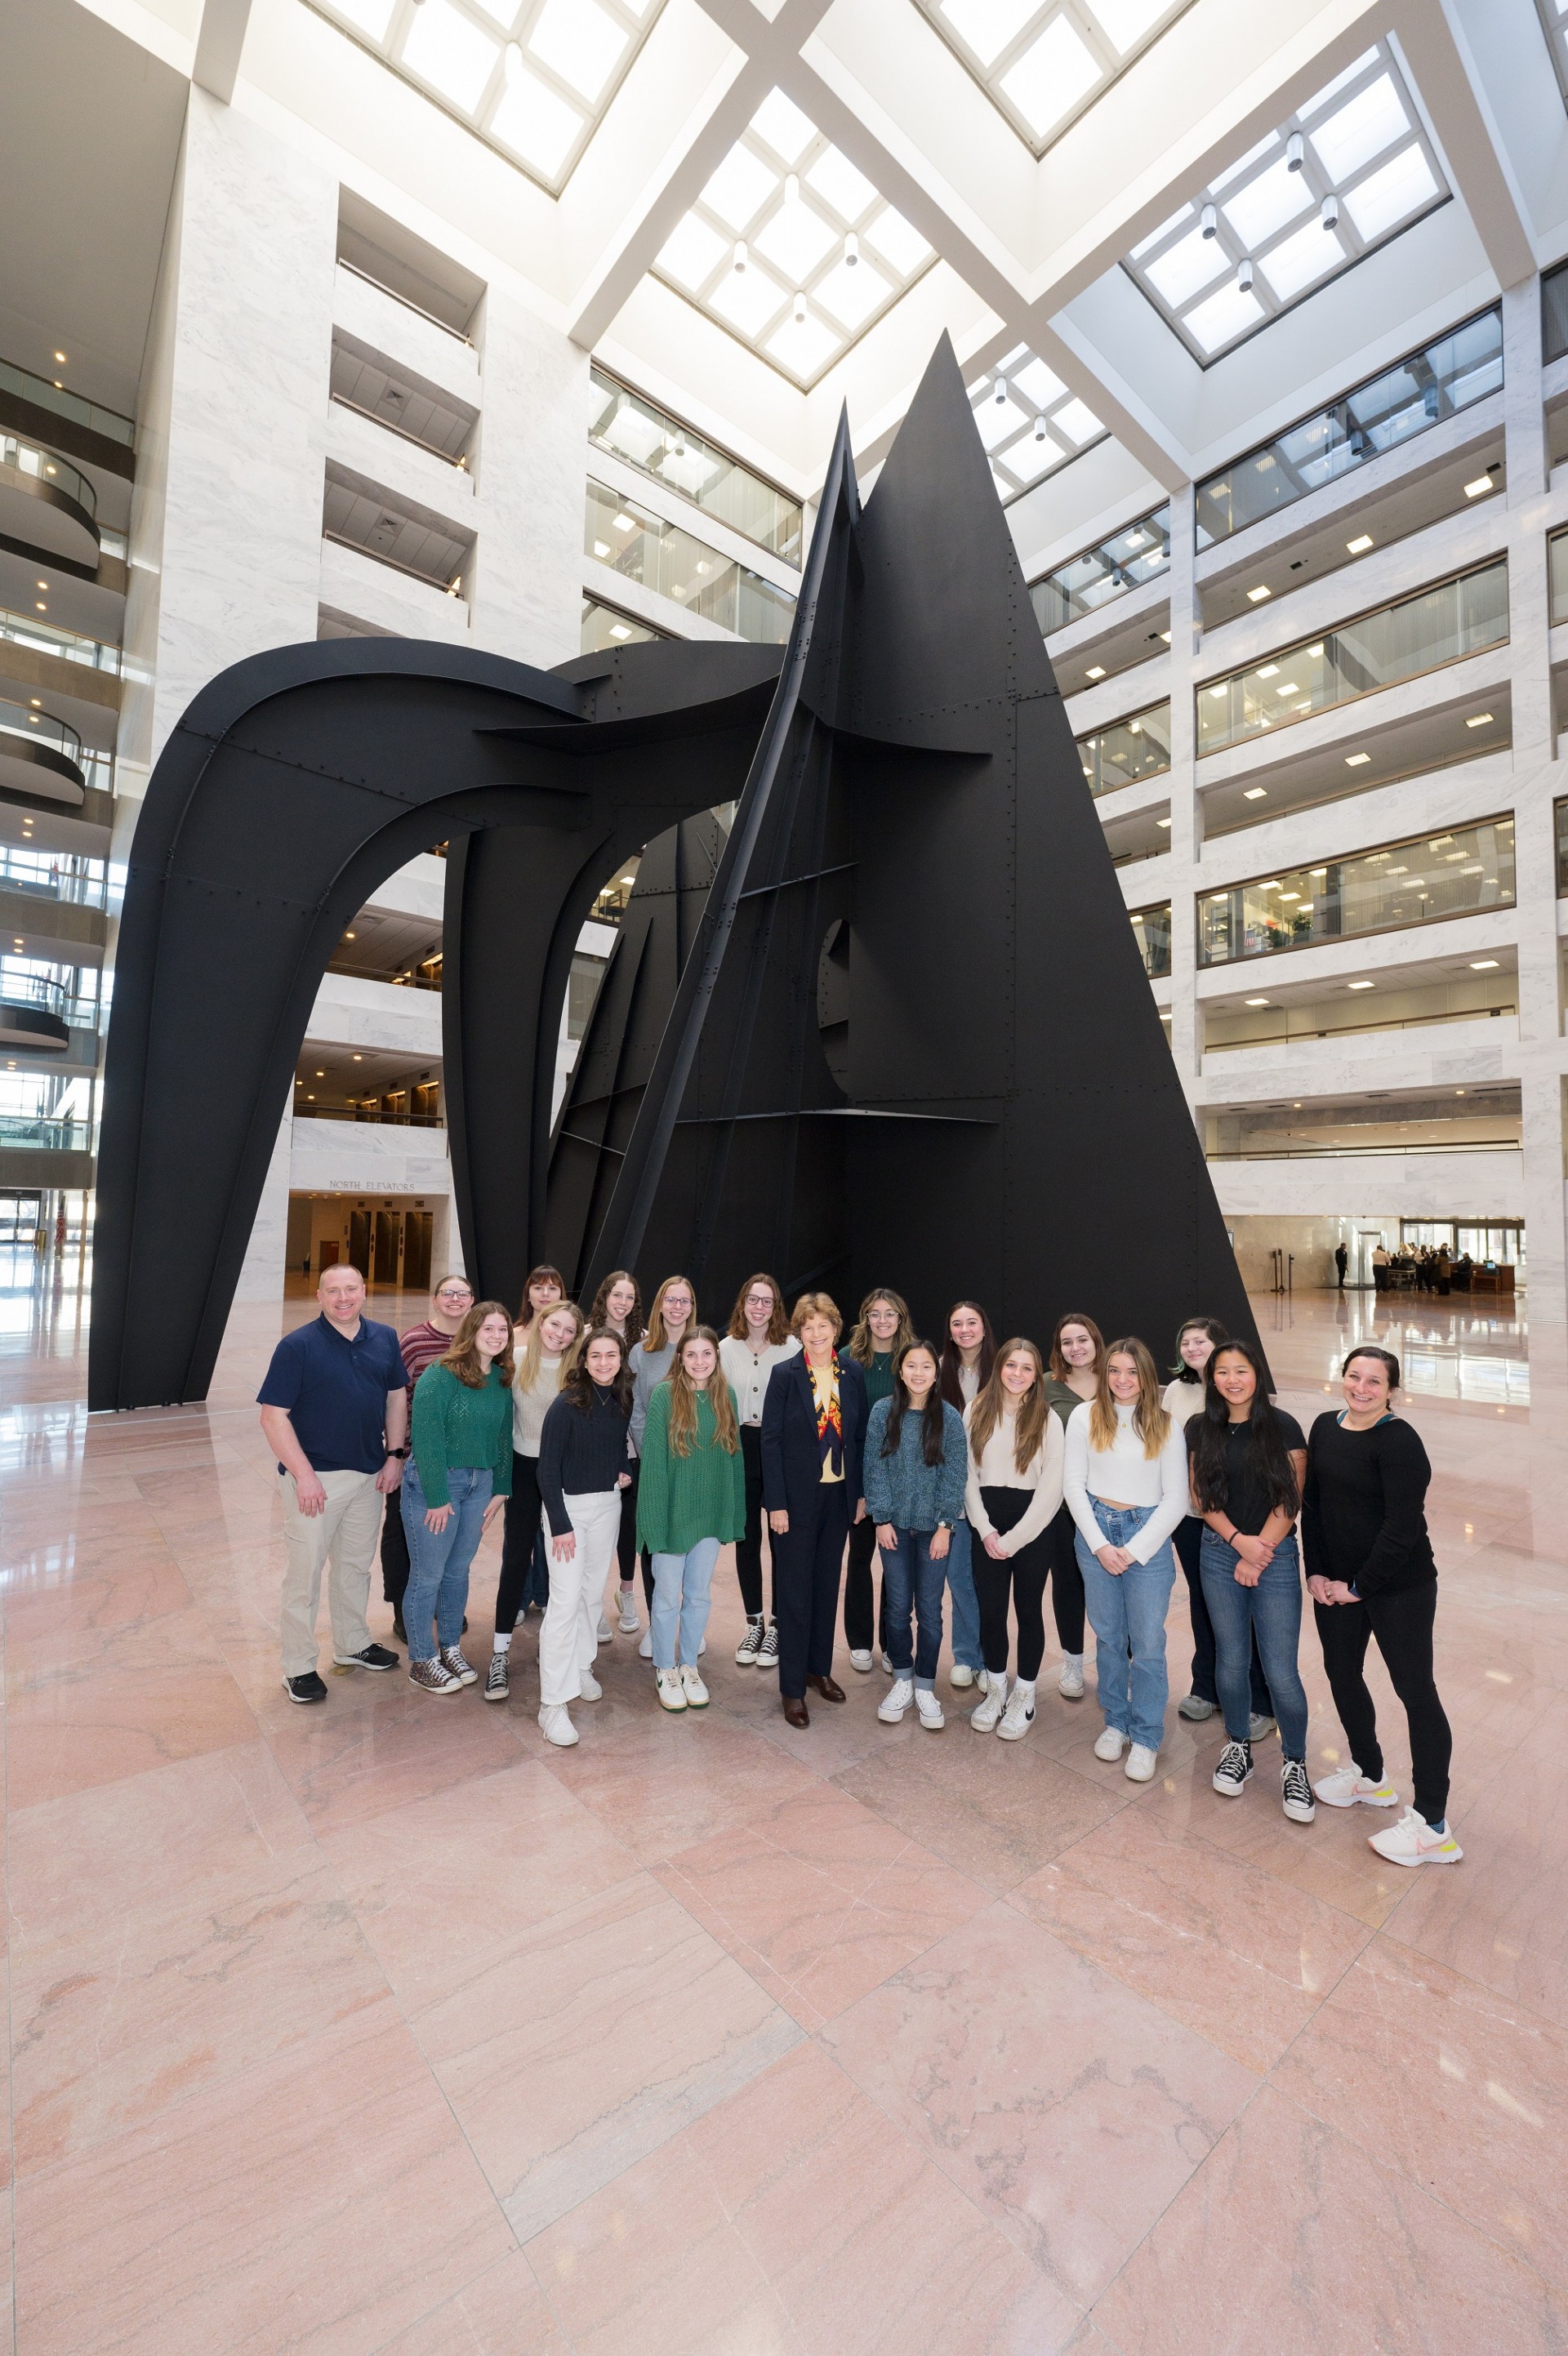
395	294
40	1130
1420	633
1559	813
45	395
660	445
642	547
43	638
1443	378
48	466
40	728
1557	576
1554	313
1127	750
113	543
1414	882
306	1108
55	876
604	629
1152	931
1108	569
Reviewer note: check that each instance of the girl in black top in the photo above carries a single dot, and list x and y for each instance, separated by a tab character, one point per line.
582	1470
1371	1573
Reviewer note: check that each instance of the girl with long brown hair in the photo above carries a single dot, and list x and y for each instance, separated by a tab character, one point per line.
457	1474
543	1286
1197	1340
1015	1489
549	1346
671	1312
690	1500
1072	1375
1125	1479
617	1309
582	1469
968	1347
882	1330
757	1339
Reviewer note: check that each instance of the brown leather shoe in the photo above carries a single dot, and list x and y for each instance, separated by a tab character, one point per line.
827	1686
795	1711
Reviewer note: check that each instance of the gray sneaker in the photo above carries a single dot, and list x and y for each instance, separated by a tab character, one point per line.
1195	1710
1259	1728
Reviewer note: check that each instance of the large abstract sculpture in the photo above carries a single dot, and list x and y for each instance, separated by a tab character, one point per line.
891	1027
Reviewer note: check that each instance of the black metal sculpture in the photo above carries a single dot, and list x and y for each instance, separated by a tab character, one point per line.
912	1041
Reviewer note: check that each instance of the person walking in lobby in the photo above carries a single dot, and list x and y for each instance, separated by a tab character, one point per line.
881	1330
582	1470
672	1309
335	1413
691	1502
1072	1375
459	1474
1247	1462
758	1340
1371	1573
1381	1266
813	1436
1341	1263
916	1468
1125	1479
1013	1493
968	1350
430	1339
618	1307
544	1353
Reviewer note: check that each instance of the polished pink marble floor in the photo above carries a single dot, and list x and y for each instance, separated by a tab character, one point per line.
382	2027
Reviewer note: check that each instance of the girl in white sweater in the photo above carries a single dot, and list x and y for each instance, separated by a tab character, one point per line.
1015	1489
1126	1484
546	1350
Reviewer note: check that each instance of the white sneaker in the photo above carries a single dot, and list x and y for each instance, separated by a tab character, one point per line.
1140	1767
671	1692
1348	1787
1110	1744
1070	1681
606	1632
702	1646
982	1681
860	1660
1019	1715
929	1709
750	1644
628	1623
645	1650
888	1668
591	1689
960	1678
1412	1842
986	1715
694	1688
897	1701
556	1726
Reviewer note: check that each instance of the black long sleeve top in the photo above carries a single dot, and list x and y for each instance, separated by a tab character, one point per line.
579	1454
1363	1509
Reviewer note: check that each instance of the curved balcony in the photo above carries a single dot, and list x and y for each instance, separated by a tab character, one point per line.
35	1028
47	503
41	757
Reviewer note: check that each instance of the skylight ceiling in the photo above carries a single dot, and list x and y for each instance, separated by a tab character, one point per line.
1346	173
1029	422
789	247
533	77
1044	62
1553	15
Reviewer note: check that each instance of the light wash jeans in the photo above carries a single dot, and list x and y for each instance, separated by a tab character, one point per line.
439	1563
966	1649
1271	1611
1127	1614
910	1578
681	1589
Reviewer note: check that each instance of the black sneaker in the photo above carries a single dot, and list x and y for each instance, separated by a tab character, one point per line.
374	1657
309	1687
1296	1793
1234	1769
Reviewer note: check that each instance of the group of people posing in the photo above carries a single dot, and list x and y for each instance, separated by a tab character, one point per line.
623	1441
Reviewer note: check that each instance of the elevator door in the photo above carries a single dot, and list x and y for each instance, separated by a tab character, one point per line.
388	1236
416	1251
18	1219
360	1242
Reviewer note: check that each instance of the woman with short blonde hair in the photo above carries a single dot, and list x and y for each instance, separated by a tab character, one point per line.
813	1436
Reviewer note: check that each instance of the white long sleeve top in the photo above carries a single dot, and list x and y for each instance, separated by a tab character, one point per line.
1124	1472
996	1468
746	1371
1182	1400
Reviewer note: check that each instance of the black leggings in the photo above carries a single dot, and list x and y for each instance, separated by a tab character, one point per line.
1022	1575
1187	1540
858	1615
521	1529
1403	1624
748	1548
394	1552
1067	1581
626	1544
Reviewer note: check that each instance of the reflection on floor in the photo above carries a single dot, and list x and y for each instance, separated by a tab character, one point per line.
377	2026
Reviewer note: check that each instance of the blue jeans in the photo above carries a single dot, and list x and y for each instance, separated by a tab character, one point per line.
1271	1612
1128	1617
438	1563
910	1578
681	1596
966	1649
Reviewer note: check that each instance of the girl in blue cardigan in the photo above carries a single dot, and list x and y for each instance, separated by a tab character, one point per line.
917	1458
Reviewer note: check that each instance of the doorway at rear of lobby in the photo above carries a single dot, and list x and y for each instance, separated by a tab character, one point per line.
393	1239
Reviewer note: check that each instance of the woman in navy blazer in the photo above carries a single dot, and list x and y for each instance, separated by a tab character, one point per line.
813	1435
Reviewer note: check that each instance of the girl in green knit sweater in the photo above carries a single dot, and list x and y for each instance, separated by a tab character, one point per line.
690	1500
457	1477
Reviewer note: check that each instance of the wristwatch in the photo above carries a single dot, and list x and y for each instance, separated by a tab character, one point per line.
398	1453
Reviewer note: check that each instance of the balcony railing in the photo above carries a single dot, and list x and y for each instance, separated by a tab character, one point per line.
306	1108
42	394
1420	633
68	646
79	881
40	1130
49	466
1107	570
1128	750
659	447
1152	931
642	547
1560	814
1455	873
1445	376
40	728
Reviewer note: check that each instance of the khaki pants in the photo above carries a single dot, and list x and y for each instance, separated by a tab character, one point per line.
343	1534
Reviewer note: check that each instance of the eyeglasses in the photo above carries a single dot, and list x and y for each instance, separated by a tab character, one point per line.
454	1292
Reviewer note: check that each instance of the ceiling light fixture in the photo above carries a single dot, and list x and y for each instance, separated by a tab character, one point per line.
1000	395
1356	760
1255	793
1095	670
1474	490
1256	596
1040	429
1358	546
851	249
739	255
1360	985
1479	720
1256	1002
1329	216
800	308
1484	965
1209	222
1295	152
1244	275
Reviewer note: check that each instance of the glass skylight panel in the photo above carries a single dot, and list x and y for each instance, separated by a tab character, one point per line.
791	247
1034	427
1351	169
533	78
1553	15
1044	62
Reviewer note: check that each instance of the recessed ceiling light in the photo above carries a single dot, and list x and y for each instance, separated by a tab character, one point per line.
1255	793
1356	760
348	936
1358	546
1162	821
1095	670
1484	965
358	1059
1360	985
59	357
1474	490
1480	721
1257	1002
1256	596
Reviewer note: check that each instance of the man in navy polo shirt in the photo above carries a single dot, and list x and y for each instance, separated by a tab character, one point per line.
335	1413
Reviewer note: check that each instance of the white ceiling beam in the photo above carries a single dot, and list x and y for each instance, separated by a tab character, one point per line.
216	66
1438	58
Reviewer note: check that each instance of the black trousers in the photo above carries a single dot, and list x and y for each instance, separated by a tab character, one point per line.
1402	1625
748	1550
626	1544
394	1552
858	1615
1187	1540
521	1529
1022	1576
1067	1583
806	1565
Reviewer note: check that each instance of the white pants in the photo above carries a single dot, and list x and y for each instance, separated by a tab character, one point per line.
345	1534
569	1640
